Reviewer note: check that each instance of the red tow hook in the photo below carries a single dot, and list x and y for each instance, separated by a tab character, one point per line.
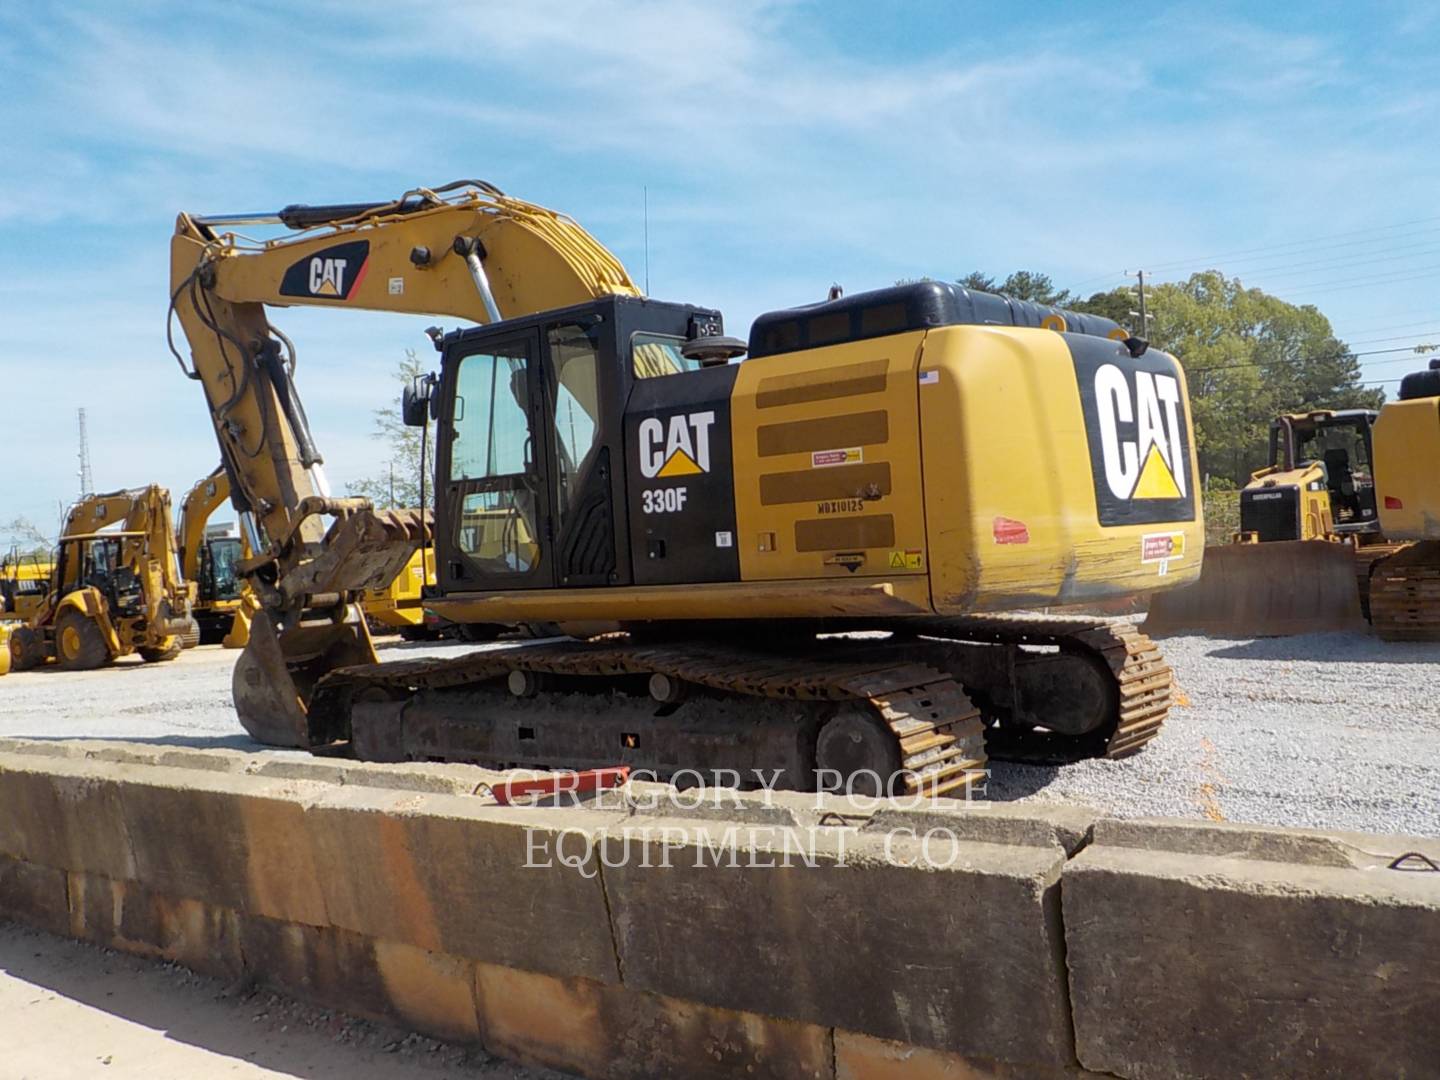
565	783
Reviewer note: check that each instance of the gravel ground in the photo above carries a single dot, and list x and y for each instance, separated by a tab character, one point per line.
1325	730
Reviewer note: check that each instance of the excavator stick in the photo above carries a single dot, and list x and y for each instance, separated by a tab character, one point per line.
1264	590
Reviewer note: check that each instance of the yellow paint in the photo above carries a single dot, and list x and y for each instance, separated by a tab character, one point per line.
679	464
402	603
1027	462
1156	481
861	376
1407	482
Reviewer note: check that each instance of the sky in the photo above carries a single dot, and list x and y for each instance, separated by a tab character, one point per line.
780	145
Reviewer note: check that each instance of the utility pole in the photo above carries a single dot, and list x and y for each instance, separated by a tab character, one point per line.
87	485
1144	330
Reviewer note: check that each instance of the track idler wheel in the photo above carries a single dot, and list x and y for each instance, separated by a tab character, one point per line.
856	753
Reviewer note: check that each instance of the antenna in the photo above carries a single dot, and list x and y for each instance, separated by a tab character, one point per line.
87	484
646	193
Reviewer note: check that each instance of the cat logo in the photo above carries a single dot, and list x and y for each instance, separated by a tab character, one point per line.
1145	466
327	277
1138	431
676	446
333	273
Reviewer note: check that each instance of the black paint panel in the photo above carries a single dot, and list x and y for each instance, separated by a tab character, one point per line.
677	529
1104	408
341	267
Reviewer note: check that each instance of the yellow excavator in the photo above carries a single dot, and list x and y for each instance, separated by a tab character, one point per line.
924	462
115	590
1309	535
1405	587
223	601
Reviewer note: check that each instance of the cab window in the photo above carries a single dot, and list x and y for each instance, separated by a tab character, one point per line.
656	355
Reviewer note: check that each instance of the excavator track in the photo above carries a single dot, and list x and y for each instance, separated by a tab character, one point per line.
1405	594
1141	682
936	733
917	684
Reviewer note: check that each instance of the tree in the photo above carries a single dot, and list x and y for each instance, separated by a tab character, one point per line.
400	485
1248	356
21	536
1022	285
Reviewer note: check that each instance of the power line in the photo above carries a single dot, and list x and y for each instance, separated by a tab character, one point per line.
1231	365
1293	244
1287	249
1417	251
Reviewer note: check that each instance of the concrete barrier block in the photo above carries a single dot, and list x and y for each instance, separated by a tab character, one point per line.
63	812
945	943
127	916
33	895
449	874
431	992
1221	951
321	964
225	838
862	1057
172	757
610	1033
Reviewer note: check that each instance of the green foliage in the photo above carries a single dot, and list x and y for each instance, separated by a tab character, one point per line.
1222	515
1248	357
1022	285
399	486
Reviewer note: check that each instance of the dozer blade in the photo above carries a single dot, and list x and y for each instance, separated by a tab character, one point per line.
276	674
1264	590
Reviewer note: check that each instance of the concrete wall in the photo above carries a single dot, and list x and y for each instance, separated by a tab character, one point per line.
678	942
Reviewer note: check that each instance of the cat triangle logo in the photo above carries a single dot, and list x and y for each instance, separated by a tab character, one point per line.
679	463
327	288
1156	480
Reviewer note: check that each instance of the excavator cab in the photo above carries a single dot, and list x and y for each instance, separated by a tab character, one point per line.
533	421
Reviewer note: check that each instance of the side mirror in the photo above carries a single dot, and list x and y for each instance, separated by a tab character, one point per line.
415	401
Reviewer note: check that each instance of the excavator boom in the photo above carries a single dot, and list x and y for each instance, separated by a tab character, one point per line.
465	250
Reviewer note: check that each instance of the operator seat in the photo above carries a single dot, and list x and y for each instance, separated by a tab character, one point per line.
1341	482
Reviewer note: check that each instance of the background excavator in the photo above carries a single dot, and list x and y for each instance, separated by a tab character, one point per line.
223	601
114	591
1309	536
1405	587
924	461
400	604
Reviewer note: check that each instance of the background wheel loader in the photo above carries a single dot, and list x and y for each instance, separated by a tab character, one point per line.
1309	534
924	461
114	591
223	600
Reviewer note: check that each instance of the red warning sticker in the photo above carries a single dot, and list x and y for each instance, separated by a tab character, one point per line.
1010	531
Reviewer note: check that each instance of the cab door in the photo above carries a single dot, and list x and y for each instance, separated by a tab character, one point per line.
493	501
